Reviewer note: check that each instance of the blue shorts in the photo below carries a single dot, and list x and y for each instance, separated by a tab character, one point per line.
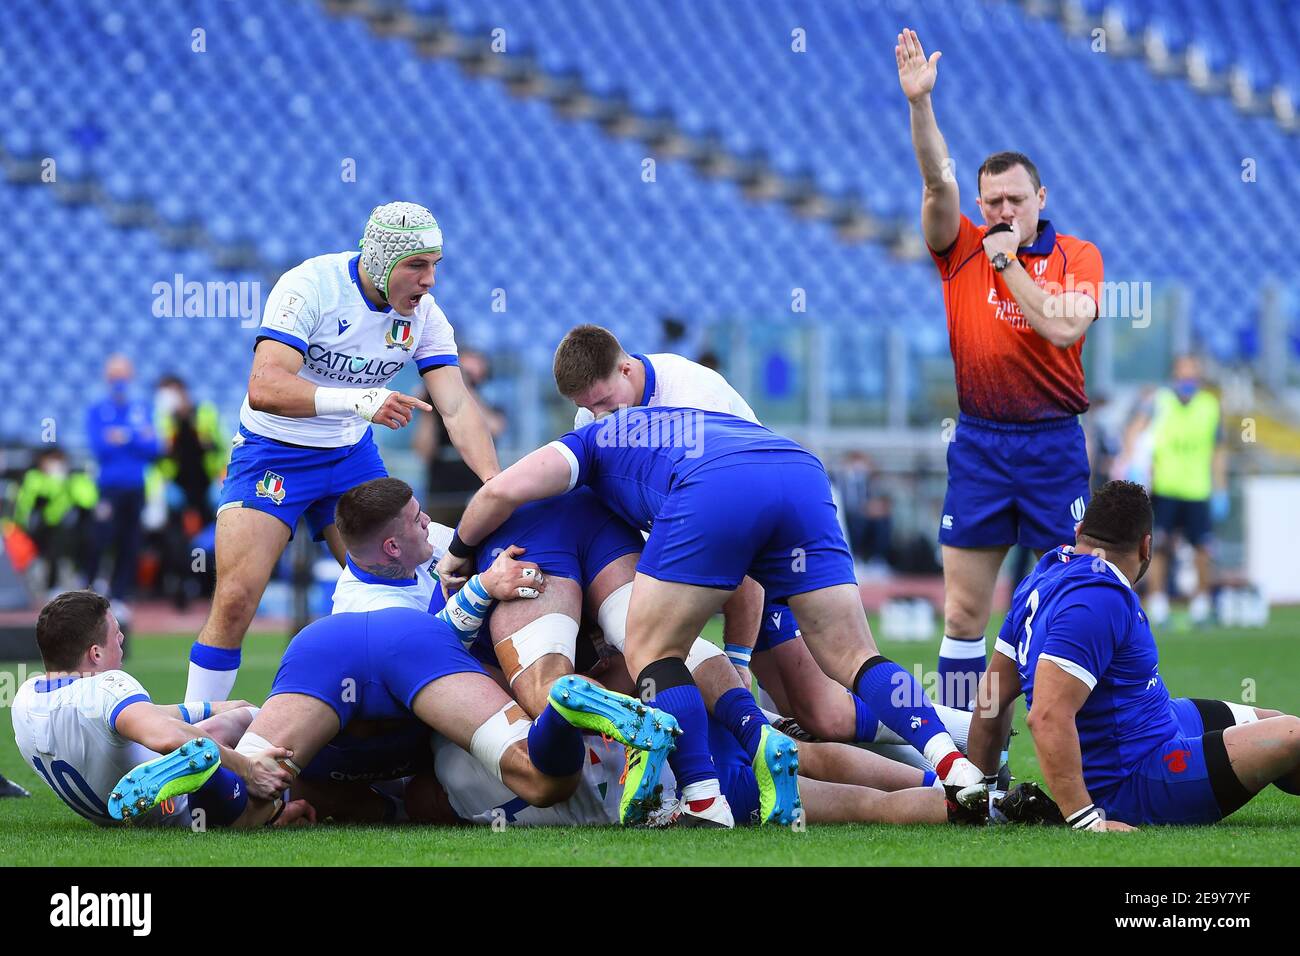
403	752
1192	518
222	798
572	536
735	773
778	627
1173	785
369	665
292	481
769	515
1196	716
1011	483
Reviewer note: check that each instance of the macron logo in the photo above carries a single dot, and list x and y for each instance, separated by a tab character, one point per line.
776	620
343	326
103	909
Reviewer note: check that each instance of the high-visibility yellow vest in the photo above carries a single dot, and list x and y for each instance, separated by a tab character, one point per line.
58	494
1184	439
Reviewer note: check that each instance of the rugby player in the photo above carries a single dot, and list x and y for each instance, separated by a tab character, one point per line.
589	556
1115	749
386	665
336	329
674	472
1019	298
831	785
593	370
86	723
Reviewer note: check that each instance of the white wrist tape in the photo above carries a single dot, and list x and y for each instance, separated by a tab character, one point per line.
701	651
549	634
612	617
355	401
466	609
251	745
495	736
1089	818
194	711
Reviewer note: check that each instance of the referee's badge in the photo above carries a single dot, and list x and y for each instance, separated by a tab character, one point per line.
271	486
399	336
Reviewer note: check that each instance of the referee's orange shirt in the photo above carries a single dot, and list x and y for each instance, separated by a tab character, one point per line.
1006	371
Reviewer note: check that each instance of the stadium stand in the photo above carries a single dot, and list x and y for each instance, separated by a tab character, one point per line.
217	138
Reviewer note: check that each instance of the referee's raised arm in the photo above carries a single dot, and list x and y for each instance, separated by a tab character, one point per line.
941	202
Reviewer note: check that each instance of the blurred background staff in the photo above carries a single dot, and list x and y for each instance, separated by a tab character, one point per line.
194	449
124	443
1189	480
56	507
195	452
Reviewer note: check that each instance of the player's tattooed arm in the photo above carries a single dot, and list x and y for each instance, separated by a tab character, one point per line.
466	425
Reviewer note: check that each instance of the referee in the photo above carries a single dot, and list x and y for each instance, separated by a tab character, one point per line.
1019	297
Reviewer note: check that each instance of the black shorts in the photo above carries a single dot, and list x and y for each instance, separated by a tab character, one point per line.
1192	518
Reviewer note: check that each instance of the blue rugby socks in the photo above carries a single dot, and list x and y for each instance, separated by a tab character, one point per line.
555	746
740	713
902	705
667	685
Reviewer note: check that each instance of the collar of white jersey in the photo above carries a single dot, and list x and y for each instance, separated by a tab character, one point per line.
649	392
44	685
356	281
363	575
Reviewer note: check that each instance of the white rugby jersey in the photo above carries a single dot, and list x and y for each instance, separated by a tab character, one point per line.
319	309
677	382
359	590
476	795
66	731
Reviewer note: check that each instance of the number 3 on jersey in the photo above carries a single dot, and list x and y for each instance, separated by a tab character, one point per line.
1022	652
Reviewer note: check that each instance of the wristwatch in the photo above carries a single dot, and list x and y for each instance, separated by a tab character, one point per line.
1001	261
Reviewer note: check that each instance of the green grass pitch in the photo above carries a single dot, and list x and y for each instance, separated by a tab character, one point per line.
1210	663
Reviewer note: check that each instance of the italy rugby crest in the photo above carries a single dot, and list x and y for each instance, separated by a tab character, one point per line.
271	486
399	336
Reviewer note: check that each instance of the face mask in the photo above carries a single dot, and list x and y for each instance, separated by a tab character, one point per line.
1185	388
168	401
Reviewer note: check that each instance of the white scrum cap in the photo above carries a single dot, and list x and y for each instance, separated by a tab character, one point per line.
396	231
